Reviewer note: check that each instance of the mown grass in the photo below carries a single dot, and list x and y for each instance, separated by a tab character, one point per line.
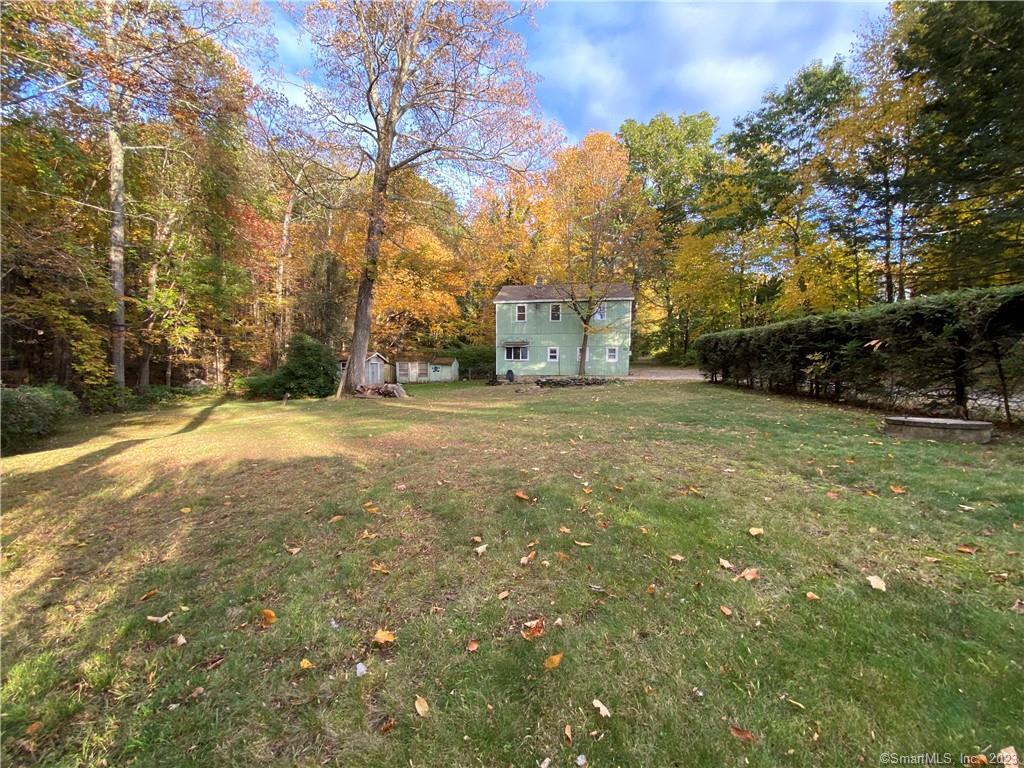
95	521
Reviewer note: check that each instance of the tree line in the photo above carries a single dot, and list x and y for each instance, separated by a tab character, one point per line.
168	214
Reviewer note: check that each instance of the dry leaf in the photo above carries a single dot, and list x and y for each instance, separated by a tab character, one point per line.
967	549
833	494
532	629
34	727
522	496
383	636
307	664
588	490
618	488
562	556
930	559
267	617
749	574
563	529
756	531
178	640
367	536
336	518
422	708
651	589
601	708
472	646
568	733
378	567
676	558
876	583
160	619
387	725
149	593
502	595
812	596
553	661
476	540
726	564
741	733
480	550
293	550
725	609
527	559
583	543
897	489
185	510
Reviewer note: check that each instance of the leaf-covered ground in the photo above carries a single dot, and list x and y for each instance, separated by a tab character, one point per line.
347	518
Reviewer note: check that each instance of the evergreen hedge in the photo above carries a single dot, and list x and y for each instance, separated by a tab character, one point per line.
310	370
948	353
28	414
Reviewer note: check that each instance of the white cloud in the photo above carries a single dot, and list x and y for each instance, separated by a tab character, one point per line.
728	85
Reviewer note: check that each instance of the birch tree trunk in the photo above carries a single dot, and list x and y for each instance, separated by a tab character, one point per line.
117	225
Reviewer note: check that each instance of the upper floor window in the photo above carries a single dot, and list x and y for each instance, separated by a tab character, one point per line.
556	313
520	313
601	312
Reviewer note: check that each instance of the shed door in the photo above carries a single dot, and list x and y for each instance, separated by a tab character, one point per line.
374	372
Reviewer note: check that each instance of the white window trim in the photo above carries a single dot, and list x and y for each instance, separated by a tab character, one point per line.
601	313
555	358
525	355
525	314
551	311
579	353
609	357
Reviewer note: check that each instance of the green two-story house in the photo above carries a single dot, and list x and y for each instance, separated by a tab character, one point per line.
537	333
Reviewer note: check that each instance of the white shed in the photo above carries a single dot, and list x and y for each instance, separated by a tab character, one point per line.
419	369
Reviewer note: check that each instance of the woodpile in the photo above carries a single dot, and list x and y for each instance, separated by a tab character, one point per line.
572	381
374	391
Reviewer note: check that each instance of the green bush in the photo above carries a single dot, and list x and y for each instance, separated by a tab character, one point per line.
310	370
475	360
28	414
107	398
938	353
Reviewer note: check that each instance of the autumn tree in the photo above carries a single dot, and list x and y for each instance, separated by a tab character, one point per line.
439	87
592	221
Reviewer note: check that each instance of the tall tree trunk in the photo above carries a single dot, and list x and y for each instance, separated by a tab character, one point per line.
117	227
147	329
890	293
280	289
584	344
354	371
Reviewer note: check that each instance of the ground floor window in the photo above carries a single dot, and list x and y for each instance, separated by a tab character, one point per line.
421	370
517	353
612	354
553	354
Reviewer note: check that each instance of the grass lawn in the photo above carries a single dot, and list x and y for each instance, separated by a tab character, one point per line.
344	518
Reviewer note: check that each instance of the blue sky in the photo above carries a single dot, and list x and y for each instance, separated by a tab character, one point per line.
604	62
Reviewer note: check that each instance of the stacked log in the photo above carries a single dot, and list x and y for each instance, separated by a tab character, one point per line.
572	381
374	391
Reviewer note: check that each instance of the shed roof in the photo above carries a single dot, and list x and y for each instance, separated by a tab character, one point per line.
560	292
343	356
442	360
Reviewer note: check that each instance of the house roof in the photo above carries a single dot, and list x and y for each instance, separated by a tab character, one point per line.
520	294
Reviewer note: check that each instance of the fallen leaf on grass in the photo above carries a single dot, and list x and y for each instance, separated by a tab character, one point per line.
532	629
897	489
749	574
583	543
522	496
160	619
378	567
1018	606
756	532
741	733
563	557
366	535
930	559
387	725
293	550
651	589
967	549
876	583
472	646
601	708
185	510
178	640
812	596
563	529
307	664
267	617
383	636
480	550
476	540
336	518
588	490
553	661
527	559
148	594
726	610
833	494
568	733
795	703
726	564
31	729
676	558
618	488
503	594
422	708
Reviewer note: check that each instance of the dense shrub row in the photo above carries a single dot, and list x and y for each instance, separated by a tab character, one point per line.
476	361
28	414
310	370
949	353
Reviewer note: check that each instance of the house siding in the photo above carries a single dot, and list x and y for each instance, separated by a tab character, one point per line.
540	333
